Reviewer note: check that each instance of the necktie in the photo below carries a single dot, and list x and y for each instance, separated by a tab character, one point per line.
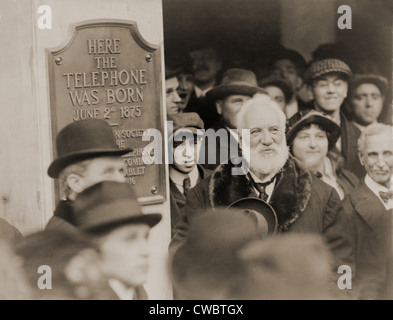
261	187
386	195
186	185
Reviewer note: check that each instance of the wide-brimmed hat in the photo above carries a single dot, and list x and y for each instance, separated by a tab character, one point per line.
280	83
109	204
380	82
260	212
235	81
307	117
82	140
321	67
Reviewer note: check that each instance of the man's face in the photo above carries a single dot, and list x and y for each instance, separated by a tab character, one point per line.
229	108
329	92
186	85
103	169
377	158
366	103
186	153
125	254
277	95
285	69
206	65
172	96
268	148
310	146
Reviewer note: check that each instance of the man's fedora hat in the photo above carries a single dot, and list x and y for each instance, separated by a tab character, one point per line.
82	140
260	212
307	117
235	81
109	204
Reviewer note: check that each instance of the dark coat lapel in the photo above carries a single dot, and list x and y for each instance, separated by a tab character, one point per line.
65	211
367	205
179	197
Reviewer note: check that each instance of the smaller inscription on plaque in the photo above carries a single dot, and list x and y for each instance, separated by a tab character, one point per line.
108	71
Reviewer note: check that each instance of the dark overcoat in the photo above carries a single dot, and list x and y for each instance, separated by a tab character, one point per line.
372	242
303	203
178	200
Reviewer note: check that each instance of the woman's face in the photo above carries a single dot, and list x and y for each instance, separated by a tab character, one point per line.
310	145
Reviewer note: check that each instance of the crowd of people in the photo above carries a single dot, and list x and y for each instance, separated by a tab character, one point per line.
308	139
279	178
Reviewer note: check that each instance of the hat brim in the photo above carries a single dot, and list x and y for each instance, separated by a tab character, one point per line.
328	125
223	91
150	219
345	75
259	206
60	163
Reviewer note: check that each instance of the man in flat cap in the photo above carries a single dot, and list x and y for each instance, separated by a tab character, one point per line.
110	212
87	153
329	82
302	203
237	86
184	171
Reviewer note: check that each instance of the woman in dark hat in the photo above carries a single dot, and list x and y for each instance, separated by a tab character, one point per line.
311	135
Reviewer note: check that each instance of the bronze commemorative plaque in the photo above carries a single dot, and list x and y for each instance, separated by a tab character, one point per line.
108	71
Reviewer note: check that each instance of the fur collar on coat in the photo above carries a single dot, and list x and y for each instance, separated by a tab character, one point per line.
290	197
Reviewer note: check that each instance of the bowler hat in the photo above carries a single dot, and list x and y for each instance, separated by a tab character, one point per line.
81	140
235	81
321	67
307	117
109	204
260	211
380	82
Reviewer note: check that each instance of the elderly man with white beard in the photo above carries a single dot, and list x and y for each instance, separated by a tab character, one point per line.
303	203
